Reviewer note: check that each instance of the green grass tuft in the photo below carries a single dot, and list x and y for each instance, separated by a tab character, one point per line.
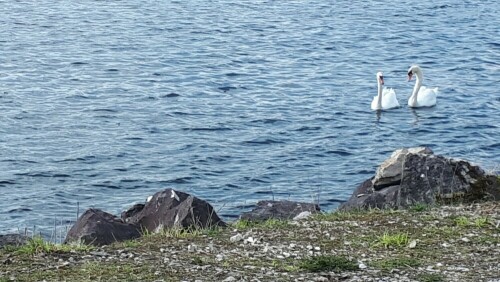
394	240
461	221
328	263
419	207
481	222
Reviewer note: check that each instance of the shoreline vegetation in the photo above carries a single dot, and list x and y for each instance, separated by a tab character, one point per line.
423	243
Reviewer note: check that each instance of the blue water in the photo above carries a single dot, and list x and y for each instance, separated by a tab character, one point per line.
103	103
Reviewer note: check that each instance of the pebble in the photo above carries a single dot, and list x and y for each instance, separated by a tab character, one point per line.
219	257
236	238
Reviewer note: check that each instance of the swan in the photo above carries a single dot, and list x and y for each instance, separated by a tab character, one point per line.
386	98
421	96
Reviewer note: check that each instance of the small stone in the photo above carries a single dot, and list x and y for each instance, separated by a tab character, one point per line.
302	215
219	257
362	266
465	239
229	279
236	238
412	244
192	248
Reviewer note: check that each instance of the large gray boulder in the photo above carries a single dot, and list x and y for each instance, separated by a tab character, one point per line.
171	208
416	175
96	227
390	171
278	210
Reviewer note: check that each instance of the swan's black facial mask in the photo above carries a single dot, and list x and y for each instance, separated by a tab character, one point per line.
381	80
410	74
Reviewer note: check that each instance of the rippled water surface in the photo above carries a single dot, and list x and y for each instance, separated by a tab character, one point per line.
105	102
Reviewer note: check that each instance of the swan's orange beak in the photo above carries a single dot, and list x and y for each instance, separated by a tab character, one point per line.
410	75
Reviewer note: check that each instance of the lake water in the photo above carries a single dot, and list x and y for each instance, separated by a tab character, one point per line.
103	103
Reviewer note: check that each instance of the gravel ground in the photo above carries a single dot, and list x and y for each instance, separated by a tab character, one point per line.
448	243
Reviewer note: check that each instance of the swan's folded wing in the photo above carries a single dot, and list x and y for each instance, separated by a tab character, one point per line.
389	91
390	100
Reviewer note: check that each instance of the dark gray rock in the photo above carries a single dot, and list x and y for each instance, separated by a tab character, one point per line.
170	208
13	240
390	171
423	178
279	210
135	209
96	227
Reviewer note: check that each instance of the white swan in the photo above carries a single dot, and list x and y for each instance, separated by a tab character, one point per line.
421	96
386	98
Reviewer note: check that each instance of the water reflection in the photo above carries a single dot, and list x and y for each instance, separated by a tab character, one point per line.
378	114
415	116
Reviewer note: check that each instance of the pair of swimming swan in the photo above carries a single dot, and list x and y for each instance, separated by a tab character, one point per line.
421	96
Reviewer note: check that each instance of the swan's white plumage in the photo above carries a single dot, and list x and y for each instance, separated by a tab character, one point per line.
426	97
386	98
389	100
421	95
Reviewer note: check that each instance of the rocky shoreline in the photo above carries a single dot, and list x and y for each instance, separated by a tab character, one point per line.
422	217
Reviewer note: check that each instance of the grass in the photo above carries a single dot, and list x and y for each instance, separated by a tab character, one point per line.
180	233
397	262
266	224
461	221
481	222
419	207
393	240
328	263
37	245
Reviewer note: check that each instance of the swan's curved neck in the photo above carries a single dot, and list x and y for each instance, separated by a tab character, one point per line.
379	98
413	98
